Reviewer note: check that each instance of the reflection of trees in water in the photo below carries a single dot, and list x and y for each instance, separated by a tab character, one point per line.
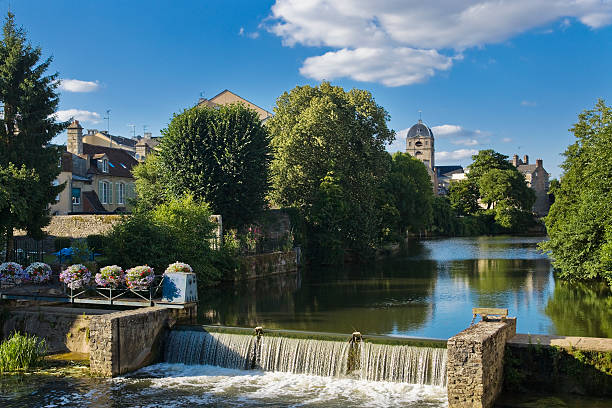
503	282
581	309
393	295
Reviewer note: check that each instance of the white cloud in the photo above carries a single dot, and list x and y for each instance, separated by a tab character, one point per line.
254	35
80	115
446	130
389	66
406	36
241	31
460	135
506	140
455	155
76	85
530	104
465	142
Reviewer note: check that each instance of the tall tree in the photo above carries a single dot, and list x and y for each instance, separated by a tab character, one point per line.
579	223
220	155
29	99
326	139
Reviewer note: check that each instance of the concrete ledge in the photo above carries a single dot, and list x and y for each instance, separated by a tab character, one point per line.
576	343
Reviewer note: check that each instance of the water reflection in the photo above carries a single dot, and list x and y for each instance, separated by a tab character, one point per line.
427	290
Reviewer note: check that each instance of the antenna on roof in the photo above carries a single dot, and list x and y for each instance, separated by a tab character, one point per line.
420	116
144	130
107	118
133	130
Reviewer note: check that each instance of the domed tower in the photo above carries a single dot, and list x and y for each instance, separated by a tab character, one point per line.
420	144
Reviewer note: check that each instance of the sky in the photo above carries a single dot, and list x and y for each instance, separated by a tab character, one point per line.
508	75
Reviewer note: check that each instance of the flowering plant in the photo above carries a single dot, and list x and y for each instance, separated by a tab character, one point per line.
75	276
12	272
179	267
139	277
111	276
38	272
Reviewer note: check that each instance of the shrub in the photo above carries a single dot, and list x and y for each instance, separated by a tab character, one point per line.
21	352
61	243
95	242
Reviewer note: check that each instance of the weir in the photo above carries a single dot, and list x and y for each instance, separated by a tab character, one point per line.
342	356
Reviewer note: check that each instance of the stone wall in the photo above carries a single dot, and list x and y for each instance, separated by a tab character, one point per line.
64	329
558	364
475	364
126	341
258	266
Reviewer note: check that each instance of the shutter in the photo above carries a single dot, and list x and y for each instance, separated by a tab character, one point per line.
100	195
110	192
117	195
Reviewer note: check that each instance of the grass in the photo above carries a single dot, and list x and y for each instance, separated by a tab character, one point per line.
21	352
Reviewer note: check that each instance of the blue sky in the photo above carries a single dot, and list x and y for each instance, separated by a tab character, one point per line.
507	75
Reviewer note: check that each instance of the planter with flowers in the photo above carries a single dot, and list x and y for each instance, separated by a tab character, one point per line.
76	276
180	284
11	273
111	277
139	277
38	272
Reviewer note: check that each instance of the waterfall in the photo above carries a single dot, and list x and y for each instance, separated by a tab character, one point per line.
367	361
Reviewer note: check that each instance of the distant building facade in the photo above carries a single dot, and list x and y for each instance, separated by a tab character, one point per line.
420	145
446	175
227	97
538	179
98	178
138	147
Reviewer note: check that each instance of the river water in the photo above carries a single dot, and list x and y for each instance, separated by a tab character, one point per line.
427	291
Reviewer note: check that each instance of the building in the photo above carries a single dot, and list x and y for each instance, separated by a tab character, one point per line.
420	144
538	179
445	175
98	178
227	97
138	146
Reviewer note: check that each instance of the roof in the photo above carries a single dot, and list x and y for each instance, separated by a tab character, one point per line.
120	161
148	141
527	168
91	202
420	130
212	103
441	170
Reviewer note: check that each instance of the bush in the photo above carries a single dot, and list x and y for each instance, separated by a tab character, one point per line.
61	243
96	242
21	352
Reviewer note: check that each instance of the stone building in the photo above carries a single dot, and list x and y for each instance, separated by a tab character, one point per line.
538	179
138	147
420	144
98	178
227	97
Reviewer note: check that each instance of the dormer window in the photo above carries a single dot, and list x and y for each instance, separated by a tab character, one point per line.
105	165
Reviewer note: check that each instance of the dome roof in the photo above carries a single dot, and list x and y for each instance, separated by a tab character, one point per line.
420	130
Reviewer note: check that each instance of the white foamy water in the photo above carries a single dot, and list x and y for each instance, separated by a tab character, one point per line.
178	385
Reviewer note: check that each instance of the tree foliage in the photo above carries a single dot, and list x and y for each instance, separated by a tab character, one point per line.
220	155
580	220
29	100
494	182
410	192
329	152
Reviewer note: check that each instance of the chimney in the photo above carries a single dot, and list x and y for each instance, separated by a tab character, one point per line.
515	160
539	163
75	138
525	159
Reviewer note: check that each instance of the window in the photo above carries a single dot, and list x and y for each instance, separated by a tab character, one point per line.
120	193
103	192
76	196
105	166
418	144
55	184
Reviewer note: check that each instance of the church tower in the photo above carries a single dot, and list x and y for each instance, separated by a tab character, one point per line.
420	144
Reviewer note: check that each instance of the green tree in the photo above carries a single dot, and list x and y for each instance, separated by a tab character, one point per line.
220	155
579	221
464	197
151	187
410	190
322	131
27	126
487	160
